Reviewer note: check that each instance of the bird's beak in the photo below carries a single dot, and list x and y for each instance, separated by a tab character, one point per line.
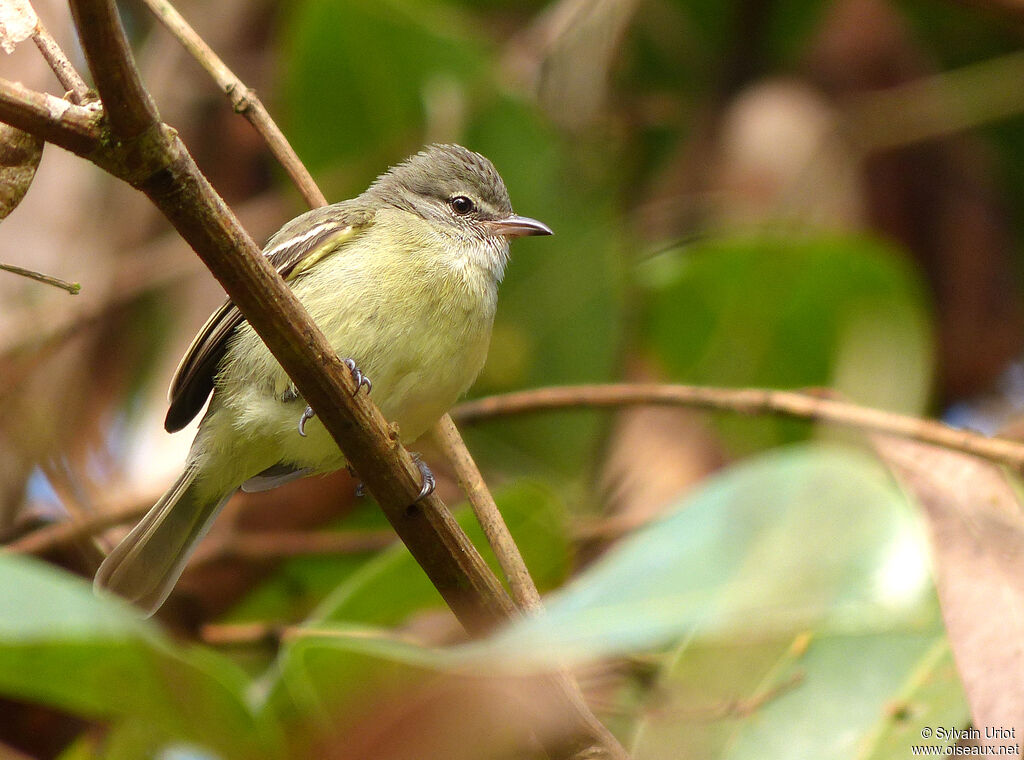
518	226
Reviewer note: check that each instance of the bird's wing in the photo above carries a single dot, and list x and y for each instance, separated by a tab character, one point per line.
323	231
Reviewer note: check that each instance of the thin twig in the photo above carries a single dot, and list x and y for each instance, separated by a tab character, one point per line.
45	539
67	75
745	401
71	287
272	544
242	634
74	128
524	592
246	103
243	99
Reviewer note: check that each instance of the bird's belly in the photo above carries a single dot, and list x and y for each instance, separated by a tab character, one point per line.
419	362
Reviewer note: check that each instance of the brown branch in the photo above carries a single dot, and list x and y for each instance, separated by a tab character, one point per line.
562	683
524	592
63	69
72	127
243	99
745	401
129	108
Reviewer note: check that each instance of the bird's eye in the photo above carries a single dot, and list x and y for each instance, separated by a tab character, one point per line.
461	205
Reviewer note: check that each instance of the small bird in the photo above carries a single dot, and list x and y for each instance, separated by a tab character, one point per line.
403	282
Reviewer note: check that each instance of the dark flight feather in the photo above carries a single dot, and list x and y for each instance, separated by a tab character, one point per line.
299	244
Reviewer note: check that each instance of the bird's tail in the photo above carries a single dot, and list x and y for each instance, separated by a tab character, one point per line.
144	567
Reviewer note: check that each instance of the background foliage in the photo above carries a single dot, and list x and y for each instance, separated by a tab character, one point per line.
747	193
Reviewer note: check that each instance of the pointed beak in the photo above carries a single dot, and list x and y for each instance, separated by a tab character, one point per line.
518	226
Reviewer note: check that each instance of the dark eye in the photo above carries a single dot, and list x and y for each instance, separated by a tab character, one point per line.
461	205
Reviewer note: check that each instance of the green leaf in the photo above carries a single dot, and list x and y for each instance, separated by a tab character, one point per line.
809	696
95	657
379	62
333	674
843	312
560	308
809	536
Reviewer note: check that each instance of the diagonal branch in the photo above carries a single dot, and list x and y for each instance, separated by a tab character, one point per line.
152	158
243	99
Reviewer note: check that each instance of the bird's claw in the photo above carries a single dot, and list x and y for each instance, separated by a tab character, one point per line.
429	482
358	376
307	415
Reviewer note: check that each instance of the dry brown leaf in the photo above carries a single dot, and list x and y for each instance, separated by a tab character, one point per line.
19	157
977	530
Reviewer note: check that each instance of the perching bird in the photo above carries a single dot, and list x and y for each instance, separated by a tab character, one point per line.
403	282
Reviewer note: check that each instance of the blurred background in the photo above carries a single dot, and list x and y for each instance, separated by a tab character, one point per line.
788	194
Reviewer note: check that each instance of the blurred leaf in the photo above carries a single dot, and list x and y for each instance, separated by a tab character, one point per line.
560	308
934	697
299	584
977	531
832	696
369	105
802	579
783	313
62	646
809	536
330	678
388	589
410	702
391	587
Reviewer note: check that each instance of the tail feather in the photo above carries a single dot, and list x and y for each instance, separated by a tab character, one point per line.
144	567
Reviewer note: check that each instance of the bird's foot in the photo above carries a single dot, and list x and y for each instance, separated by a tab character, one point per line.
429	482
358	376
360	487
360	379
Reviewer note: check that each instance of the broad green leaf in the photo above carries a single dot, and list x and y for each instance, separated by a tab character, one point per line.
842	312
835	696
809	536
380	63
95	657
798	582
